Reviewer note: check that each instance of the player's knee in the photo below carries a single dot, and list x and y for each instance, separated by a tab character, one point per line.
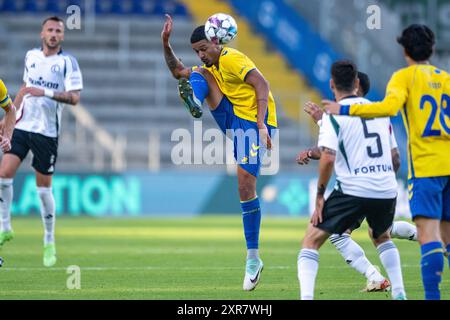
381	238
313	240
246	191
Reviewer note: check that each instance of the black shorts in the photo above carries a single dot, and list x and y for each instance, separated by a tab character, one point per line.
44	149
342	212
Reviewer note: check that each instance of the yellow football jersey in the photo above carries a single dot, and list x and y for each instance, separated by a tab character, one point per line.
4	98
422	92
230	76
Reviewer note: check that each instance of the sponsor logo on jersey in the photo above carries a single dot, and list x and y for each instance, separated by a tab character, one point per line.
43	83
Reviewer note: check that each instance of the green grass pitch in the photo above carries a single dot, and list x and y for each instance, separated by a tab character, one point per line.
183	258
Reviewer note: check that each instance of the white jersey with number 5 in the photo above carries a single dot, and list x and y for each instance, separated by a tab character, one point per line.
363	153
59	72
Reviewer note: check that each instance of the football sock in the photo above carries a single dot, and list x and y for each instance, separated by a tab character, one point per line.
432	265
307	265
199	86
252	254
251	218
47	213
390	258
404	230
354	255
6	195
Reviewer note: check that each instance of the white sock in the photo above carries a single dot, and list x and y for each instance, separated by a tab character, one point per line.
307	264
390	258
6	196
47	213
252	254
404	230
354	255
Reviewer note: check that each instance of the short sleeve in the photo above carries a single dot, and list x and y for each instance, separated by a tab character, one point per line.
328	134
236	63
73	79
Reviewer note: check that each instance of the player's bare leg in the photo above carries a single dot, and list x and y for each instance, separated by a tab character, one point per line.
8	168
48	213
390	258
308	260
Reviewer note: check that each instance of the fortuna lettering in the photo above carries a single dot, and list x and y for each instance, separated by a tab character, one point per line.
373	169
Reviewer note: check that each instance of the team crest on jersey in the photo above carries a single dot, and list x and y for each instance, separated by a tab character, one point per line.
56	68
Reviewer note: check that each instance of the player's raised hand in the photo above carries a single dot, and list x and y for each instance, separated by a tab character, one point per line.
167	29
5	144
317	215
313	110
303	157
331	107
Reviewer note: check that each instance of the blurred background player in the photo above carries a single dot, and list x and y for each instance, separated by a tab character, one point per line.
8	121
51	78
422	92
351	251
365	185
240	100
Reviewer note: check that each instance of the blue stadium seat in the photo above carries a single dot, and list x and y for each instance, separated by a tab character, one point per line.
120	7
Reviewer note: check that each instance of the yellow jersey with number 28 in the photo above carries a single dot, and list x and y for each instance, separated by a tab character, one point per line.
422	93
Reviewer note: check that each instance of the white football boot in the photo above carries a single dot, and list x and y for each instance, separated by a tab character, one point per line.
253	270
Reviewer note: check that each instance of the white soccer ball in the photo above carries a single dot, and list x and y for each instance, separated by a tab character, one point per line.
220	28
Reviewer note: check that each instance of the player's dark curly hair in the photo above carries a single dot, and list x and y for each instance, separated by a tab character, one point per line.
418	41
198	34
364	83
344	73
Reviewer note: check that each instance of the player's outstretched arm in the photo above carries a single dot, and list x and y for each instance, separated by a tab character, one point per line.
69	97
174	64
396	97
314	111
261	85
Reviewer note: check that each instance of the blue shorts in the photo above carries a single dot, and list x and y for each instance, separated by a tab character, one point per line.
247	150
430	197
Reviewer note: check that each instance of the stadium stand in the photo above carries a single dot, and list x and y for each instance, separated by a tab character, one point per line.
128	90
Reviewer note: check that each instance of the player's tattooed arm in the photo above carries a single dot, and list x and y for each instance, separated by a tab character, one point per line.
69	97
326	165
395	159
328	151
174	64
